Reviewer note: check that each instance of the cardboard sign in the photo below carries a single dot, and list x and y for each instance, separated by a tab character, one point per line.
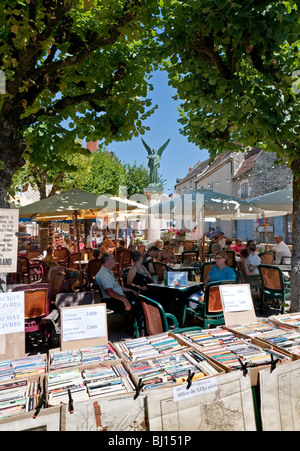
85	323
12	325
237	304
9	226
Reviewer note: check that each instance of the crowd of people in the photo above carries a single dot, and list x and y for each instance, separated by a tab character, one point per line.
120	297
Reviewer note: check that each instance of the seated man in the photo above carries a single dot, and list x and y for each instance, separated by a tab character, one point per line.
281	249
114	295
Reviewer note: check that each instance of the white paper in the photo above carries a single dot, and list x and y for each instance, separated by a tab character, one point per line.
236	298
81	323
178	278
197	388
9	226
12	314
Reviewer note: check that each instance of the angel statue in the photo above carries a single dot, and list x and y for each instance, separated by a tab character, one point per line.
154	161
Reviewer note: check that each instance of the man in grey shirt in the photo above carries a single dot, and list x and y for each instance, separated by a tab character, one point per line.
114	294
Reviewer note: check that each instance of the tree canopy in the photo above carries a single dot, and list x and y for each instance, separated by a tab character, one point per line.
82	61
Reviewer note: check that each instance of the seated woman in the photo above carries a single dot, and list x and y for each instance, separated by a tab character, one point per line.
53	267
107	246
138	276
167	254
218	272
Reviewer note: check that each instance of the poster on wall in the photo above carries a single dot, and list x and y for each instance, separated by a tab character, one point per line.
9	226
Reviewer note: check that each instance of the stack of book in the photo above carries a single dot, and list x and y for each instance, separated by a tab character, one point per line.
288	339
65	359
143	348
6	370
253	330
230	350
107	381
60	384
27	366
172	369
17	397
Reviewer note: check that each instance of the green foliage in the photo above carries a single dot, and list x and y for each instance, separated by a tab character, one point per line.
232	64
85	61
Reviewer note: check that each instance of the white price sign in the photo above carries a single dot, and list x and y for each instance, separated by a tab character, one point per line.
12	315
83	322
236	298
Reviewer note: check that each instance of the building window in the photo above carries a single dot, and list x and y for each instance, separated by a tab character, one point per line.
244	191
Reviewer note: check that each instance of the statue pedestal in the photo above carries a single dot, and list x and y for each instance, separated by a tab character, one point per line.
153	225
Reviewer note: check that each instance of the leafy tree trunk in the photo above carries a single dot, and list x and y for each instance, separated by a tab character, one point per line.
295	274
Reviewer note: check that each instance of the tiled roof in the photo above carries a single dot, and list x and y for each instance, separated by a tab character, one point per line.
248	163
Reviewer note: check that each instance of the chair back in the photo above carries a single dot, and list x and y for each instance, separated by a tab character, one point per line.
125	259
23	265
93	267
231	259
188	245
61	254
71	259
153	316
212	297
267	258
271	277
191	256
160	269
36	302
205	268
33	286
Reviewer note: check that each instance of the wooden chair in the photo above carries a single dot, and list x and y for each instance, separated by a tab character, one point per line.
27	272
62	255
191	256
231	259
273	286
91	269
124	262
267	258
188	245
71	259
204	270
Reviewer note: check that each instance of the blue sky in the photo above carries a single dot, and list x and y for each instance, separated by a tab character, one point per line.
179	154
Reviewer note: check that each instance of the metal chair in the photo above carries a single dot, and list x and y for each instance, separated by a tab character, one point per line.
286	261
210	311
273	286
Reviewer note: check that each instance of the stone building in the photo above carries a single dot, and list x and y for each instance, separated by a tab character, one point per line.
258	174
